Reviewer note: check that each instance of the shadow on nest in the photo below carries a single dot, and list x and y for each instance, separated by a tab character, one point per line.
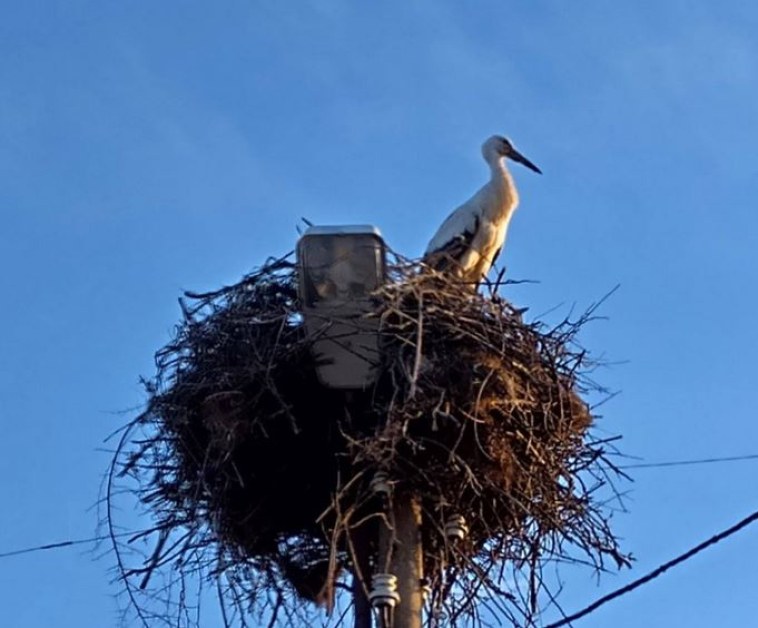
255	471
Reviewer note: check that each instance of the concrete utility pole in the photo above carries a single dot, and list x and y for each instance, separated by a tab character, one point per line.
400	550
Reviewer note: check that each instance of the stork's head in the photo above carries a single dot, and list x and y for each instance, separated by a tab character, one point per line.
498	146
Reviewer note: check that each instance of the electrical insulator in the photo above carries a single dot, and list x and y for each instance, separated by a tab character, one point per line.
456	528
384	591
380	483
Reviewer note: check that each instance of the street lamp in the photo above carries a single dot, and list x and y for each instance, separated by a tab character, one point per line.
338	269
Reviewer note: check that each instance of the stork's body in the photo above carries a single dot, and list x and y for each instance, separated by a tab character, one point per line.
469	241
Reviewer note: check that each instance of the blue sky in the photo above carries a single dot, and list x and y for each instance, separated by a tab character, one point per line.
150	147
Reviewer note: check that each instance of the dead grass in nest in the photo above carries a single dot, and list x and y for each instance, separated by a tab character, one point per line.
258	476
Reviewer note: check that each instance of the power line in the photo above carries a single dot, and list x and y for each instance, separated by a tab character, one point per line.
681	463
656	572
635	584
50	546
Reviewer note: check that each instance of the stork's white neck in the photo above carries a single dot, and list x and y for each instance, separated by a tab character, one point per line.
502	181
499	171
496	163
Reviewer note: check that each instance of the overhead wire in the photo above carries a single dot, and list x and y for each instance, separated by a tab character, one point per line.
682	463
656	572
641	465
567	619
59	544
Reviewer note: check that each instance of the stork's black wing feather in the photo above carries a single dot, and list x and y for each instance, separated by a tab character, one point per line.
452	251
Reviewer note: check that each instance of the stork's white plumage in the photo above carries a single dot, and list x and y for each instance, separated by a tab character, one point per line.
469	241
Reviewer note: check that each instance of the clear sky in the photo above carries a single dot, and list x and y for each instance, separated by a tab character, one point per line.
150	147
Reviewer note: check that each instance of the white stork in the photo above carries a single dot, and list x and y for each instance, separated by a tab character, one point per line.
469	241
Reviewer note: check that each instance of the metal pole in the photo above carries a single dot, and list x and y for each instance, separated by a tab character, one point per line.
361	580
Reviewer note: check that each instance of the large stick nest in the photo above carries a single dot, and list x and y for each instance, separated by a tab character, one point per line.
259	475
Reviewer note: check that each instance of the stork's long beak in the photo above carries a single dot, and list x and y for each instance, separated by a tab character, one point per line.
517	156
